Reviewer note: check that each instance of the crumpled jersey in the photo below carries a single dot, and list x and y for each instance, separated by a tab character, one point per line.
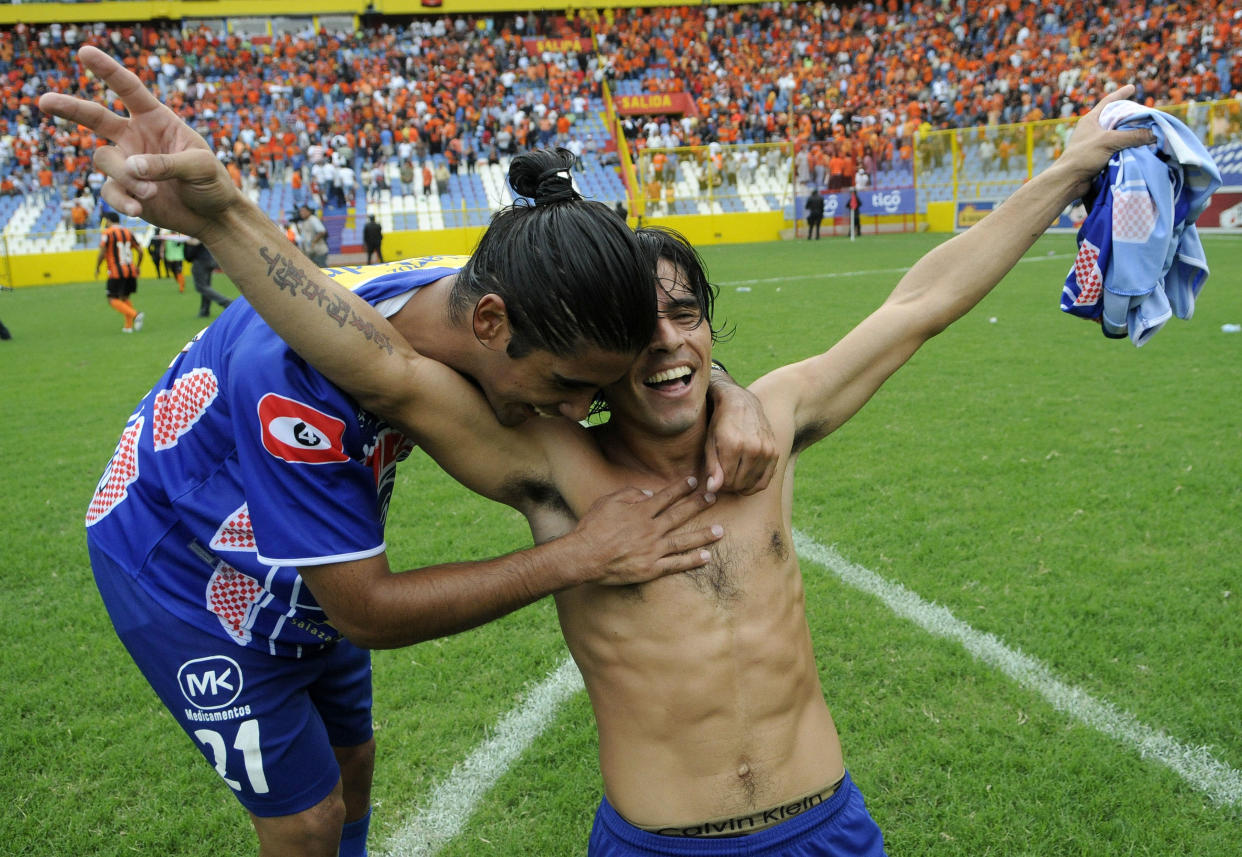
1140	260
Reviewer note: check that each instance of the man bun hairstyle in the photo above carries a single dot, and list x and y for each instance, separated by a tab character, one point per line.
545	183
570	272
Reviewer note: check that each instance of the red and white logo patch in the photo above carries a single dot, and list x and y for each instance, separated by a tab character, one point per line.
234	598
297	433
235	534
121	471
179	408
1087	273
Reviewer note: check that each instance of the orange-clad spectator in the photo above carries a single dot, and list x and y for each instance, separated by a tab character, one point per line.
78	215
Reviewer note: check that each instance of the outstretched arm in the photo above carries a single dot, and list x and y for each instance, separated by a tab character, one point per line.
825	391
161	170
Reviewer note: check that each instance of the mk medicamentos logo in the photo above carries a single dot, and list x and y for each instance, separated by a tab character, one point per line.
211	683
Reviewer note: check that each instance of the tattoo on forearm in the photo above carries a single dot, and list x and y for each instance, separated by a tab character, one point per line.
368	330
287	276
282	271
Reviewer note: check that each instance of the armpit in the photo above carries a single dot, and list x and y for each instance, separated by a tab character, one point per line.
529	493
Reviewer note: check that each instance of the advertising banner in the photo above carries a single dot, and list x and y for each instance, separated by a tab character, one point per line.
970	212
875	203
655	103
535	47
1223	212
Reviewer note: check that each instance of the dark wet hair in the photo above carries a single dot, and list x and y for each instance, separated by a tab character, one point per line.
112	216
568	269
660	242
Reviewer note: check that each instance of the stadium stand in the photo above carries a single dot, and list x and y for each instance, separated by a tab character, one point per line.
771	100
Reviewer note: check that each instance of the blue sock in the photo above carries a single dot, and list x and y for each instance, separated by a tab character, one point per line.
354	837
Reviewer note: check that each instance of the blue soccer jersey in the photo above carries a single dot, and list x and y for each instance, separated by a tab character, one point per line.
243	463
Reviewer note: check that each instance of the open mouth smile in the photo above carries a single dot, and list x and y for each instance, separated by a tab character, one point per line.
669	380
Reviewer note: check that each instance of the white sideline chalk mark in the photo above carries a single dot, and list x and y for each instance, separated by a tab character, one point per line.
1196	765
453	801
832	275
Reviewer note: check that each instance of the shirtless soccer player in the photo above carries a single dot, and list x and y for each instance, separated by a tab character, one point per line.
740	754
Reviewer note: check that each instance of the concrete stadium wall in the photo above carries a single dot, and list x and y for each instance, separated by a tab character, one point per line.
47	269
76	266
707	229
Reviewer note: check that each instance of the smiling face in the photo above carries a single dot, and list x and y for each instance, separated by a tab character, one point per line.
665	391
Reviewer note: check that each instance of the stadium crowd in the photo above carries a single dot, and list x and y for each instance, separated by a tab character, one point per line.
402	104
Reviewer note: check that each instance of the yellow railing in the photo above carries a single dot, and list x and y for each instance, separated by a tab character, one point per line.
991	161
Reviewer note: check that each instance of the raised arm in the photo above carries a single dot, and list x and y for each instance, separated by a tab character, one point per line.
823	392
158	168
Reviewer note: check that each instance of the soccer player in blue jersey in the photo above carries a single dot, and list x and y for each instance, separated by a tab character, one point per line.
714	734
237	534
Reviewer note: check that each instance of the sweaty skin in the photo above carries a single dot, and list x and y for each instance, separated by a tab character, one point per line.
704	684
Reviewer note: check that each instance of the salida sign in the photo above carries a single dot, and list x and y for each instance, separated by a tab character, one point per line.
649	103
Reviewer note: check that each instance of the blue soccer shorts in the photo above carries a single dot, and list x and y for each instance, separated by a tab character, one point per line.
838	827
267	724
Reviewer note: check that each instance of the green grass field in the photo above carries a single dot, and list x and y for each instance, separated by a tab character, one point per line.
1075	498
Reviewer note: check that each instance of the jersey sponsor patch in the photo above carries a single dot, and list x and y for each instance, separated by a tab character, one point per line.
177	409
235	534
297	433
122	470
210	683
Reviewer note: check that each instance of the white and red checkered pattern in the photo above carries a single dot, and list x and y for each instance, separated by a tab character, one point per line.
235	534
1134	216
1087	273
234	597
178	409
121	471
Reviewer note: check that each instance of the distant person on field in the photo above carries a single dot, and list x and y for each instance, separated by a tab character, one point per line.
123	255
155	249
855	211
373	239
203	268
174	256
814	214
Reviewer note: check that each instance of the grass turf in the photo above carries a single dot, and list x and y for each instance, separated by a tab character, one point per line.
1074	496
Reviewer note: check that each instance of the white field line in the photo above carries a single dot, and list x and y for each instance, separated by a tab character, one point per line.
832	275
1196	765
453	800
